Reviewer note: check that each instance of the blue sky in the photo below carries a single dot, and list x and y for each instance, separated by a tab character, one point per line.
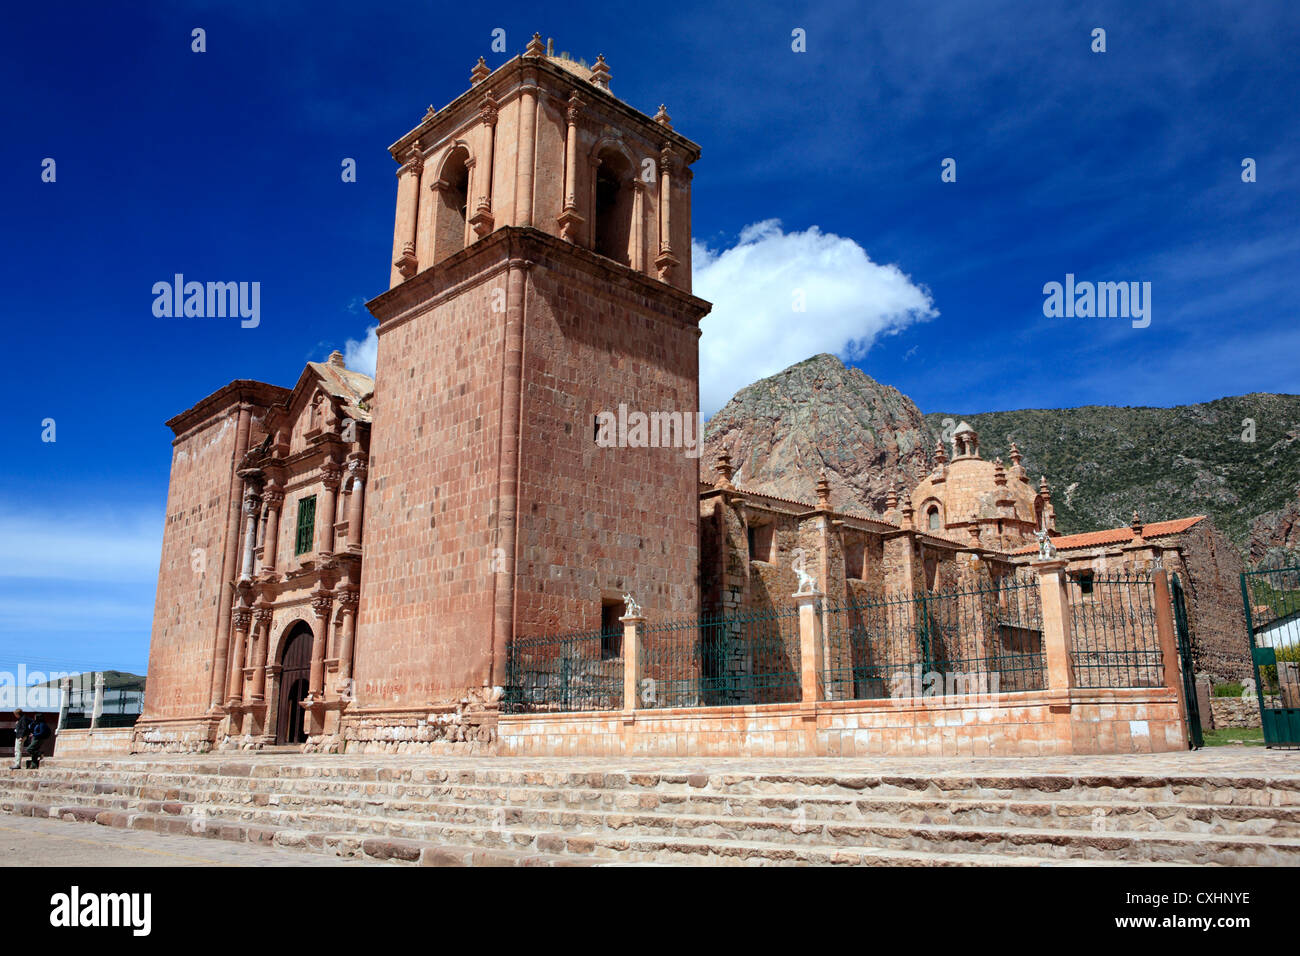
820	171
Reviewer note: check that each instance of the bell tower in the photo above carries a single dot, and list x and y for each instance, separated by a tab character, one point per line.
540	279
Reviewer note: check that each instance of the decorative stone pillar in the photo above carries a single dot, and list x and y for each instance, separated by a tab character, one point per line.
405	263
356	501
811	661
1057	633
98	711
633	623
570	221
261	641
329	504
348	625
239	621
665	261
252	504
270	540
321	601
636	252
229	565
482	220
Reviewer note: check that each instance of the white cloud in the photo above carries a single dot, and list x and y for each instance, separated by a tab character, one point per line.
82	546
754	330
360	356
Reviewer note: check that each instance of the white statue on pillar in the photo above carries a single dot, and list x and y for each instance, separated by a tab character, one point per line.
631	608
1046	550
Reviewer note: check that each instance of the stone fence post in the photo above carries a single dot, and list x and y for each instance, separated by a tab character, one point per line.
1057	633
99	700
1170	658
65	695
811	660
632	625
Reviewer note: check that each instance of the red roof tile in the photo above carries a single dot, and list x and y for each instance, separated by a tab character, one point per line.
1092	539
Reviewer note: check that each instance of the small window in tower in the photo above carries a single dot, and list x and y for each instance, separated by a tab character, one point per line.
1085	582
306	525
611	630
760	542
932	517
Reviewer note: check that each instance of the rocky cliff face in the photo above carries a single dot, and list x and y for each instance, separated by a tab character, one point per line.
782	431
1237	459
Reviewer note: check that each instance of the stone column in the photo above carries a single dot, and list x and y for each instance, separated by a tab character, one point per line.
98	710
569	219
240	618
1170	658
1057	633
326	517
356	511
405	263
261	640
636	254
348	607
665	260
632	625
526	157
811	662
252	504
320	604
482	219
270	541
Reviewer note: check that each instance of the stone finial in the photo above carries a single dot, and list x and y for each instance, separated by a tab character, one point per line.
1044	490
907	512
974	532
336	359
823	492
1015	455
940	453
891	499
535	46
999	472
662	117
723	469
600	72
479	73
1136	526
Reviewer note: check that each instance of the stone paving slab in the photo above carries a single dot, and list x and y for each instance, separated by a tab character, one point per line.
38	841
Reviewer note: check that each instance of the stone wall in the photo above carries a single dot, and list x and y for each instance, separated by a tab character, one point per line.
1238	711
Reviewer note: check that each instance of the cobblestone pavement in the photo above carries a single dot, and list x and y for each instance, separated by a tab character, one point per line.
1216	761
33	841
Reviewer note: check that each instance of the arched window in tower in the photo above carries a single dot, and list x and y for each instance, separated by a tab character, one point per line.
613	227
453	203
932	518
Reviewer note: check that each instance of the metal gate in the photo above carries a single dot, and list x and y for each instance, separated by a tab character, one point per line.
1272	600
1185	653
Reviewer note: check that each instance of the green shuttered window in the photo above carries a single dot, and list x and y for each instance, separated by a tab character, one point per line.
306	524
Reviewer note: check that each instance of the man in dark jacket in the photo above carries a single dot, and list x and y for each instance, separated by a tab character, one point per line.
37	733
22	730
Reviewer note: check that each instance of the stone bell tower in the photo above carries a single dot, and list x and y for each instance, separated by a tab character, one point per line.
541	276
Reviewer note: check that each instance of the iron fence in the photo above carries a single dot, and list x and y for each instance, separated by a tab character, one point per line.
1114	641
565	672
949	641
735	659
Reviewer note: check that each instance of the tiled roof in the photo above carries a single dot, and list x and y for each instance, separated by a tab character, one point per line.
1093	539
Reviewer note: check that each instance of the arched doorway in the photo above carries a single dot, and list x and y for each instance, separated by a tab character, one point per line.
295	679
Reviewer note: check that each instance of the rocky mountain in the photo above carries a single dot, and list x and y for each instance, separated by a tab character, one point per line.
783	430
1237	459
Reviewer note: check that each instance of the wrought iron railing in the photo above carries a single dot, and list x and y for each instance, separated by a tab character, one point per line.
728	660
564	672
1114	640
981	640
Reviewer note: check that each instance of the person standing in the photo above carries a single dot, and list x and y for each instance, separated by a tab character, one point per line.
22	730
37	733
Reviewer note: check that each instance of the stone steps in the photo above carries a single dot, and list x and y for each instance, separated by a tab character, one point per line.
587	809
529	813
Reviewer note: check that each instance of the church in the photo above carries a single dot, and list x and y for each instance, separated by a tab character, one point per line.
362	565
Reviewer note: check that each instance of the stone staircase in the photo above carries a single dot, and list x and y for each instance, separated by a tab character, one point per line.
501	811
